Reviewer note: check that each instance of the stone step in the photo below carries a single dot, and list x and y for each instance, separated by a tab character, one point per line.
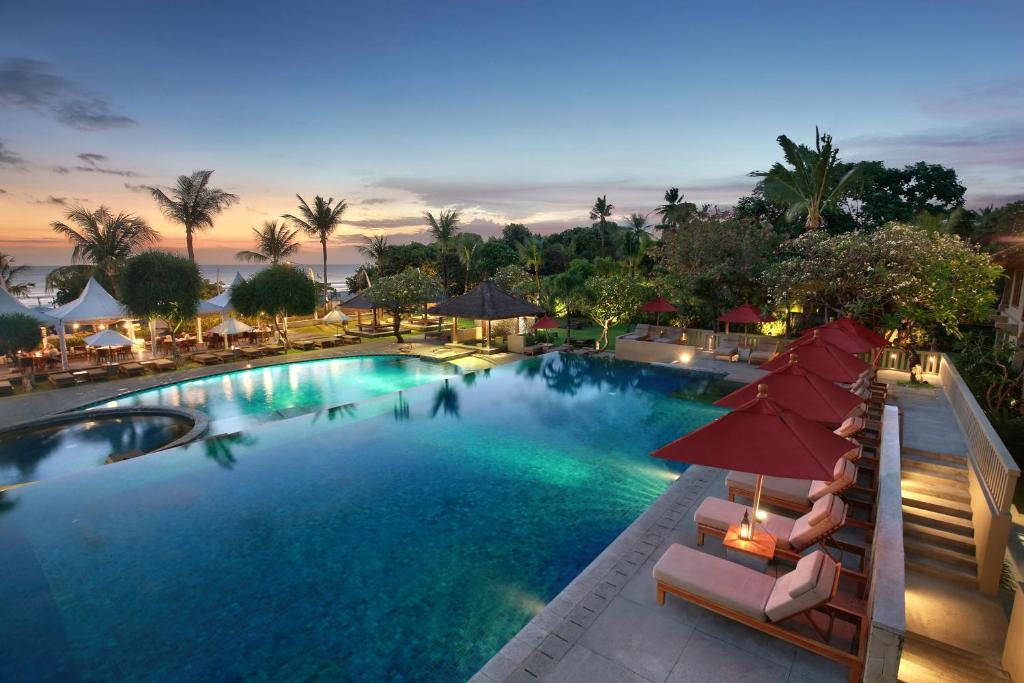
946	555
947	539
926	661
938	520
924	501
951	478
924	564
933	467
958	494
920	454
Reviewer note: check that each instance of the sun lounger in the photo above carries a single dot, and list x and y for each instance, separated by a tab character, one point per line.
350	339
206	358
226	356
62	379
304	344
273	349
162	364
97	374
669	335
324	342
131	369
6	389
793	494
728	347
251	351
641	332
764	602
765	351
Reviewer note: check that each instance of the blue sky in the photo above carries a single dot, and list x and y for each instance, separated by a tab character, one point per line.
511	111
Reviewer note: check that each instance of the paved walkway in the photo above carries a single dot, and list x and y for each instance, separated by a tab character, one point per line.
929	423
606	626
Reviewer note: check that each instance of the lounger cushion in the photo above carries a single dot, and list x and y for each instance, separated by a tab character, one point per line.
722	582
792	490
826	516
720	514
811	582
851	426
845	475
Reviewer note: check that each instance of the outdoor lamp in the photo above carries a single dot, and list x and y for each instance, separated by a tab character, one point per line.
761	515
745	526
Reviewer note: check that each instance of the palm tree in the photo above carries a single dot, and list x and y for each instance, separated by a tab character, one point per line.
375	249
443	228
8	271
104	240
319	221
274	243
193	203
466	250
636	241
600	212
531	252
674	211
809	186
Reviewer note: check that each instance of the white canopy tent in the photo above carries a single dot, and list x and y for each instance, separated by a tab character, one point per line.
217	305
9	305
108	338
94	305
231	326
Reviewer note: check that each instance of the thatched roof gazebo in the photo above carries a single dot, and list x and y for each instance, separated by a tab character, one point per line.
485	302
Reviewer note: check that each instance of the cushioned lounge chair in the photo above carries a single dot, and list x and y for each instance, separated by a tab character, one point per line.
793	494
162	364
62	379
251	351
641	332
727	348
765	351
764	602
97	374
273	349
206	358
131	369
669	335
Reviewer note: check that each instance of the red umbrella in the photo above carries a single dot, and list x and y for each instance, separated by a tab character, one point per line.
744	313
837	336
764	438
545	323
797	388
658	306
824	359
863	331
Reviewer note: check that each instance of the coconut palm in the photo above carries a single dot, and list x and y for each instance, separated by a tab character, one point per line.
274	243
319	221
467	248
193	203
674	211
531	253
103	240
809	186
8	271
375	249
600	212
443	228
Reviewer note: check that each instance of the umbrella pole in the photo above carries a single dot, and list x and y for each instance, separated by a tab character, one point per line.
757	500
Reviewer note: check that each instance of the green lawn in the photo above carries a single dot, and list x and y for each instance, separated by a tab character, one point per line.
589	332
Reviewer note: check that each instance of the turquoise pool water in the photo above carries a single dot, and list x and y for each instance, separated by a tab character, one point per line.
54	451
403	538
241	399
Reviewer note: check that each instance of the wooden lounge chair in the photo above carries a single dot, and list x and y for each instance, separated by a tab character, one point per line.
793	494
251	351
273	349
765	351
324	342
131	369
6	388
714	516
97	374
764	602
728	347
162	364
206	358
226	356
303	344
351	339
62	379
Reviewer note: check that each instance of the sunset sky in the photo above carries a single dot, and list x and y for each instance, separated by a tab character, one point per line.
510	111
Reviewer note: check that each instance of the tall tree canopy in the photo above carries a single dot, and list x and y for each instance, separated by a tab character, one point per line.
277	291
9	271
156	284
443	229
274	243
18	332
404	293
193	203
319	221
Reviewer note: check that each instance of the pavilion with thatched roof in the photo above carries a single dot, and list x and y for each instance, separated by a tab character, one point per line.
485	302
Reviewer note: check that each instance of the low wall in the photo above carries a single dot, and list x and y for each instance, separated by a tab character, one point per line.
653	352
888	624
1013	649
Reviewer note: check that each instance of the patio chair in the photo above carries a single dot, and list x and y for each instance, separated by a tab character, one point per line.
162	364
792	537
766	350
62	379
728	347
764	602
669	335
642	332
206	358
131	369
793	494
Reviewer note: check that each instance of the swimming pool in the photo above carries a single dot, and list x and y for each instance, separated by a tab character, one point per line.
241	399
406	537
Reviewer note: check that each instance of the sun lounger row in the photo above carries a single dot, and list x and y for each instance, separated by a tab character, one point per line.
653	333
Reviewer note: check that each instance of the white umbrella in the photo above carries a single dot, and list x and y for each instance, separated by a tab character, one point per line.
231	326
336	317
108	337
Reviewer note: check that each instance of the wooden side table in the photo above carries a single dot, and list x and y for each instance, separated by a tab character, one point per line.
755	552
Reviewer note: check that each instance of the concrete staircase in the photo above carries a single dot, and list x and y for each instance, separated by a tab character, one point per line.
938	536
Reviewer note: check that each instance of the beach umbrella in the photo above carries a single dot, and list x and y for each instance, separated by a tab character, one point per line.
796	388
848	324
658	306
545	323
823	359
230	327
838	337
109	338
335	317
744	313
764	438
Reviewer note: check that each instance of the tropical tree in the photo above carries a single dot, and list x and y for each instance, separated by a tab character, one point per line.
467	249
103	240
274	243
156	284
18	332
319	221
512	279
277	291
599	212
531	254
674	212
570	288
443	228
8	271
610	299
403	293
375	249
810	183
193	203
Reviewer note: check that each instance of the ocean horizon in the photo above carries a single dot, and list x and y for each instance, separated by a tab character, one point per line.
223	273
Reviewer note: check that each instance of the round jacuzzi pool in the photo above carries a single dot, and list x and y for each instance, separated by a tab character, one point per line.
71	442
